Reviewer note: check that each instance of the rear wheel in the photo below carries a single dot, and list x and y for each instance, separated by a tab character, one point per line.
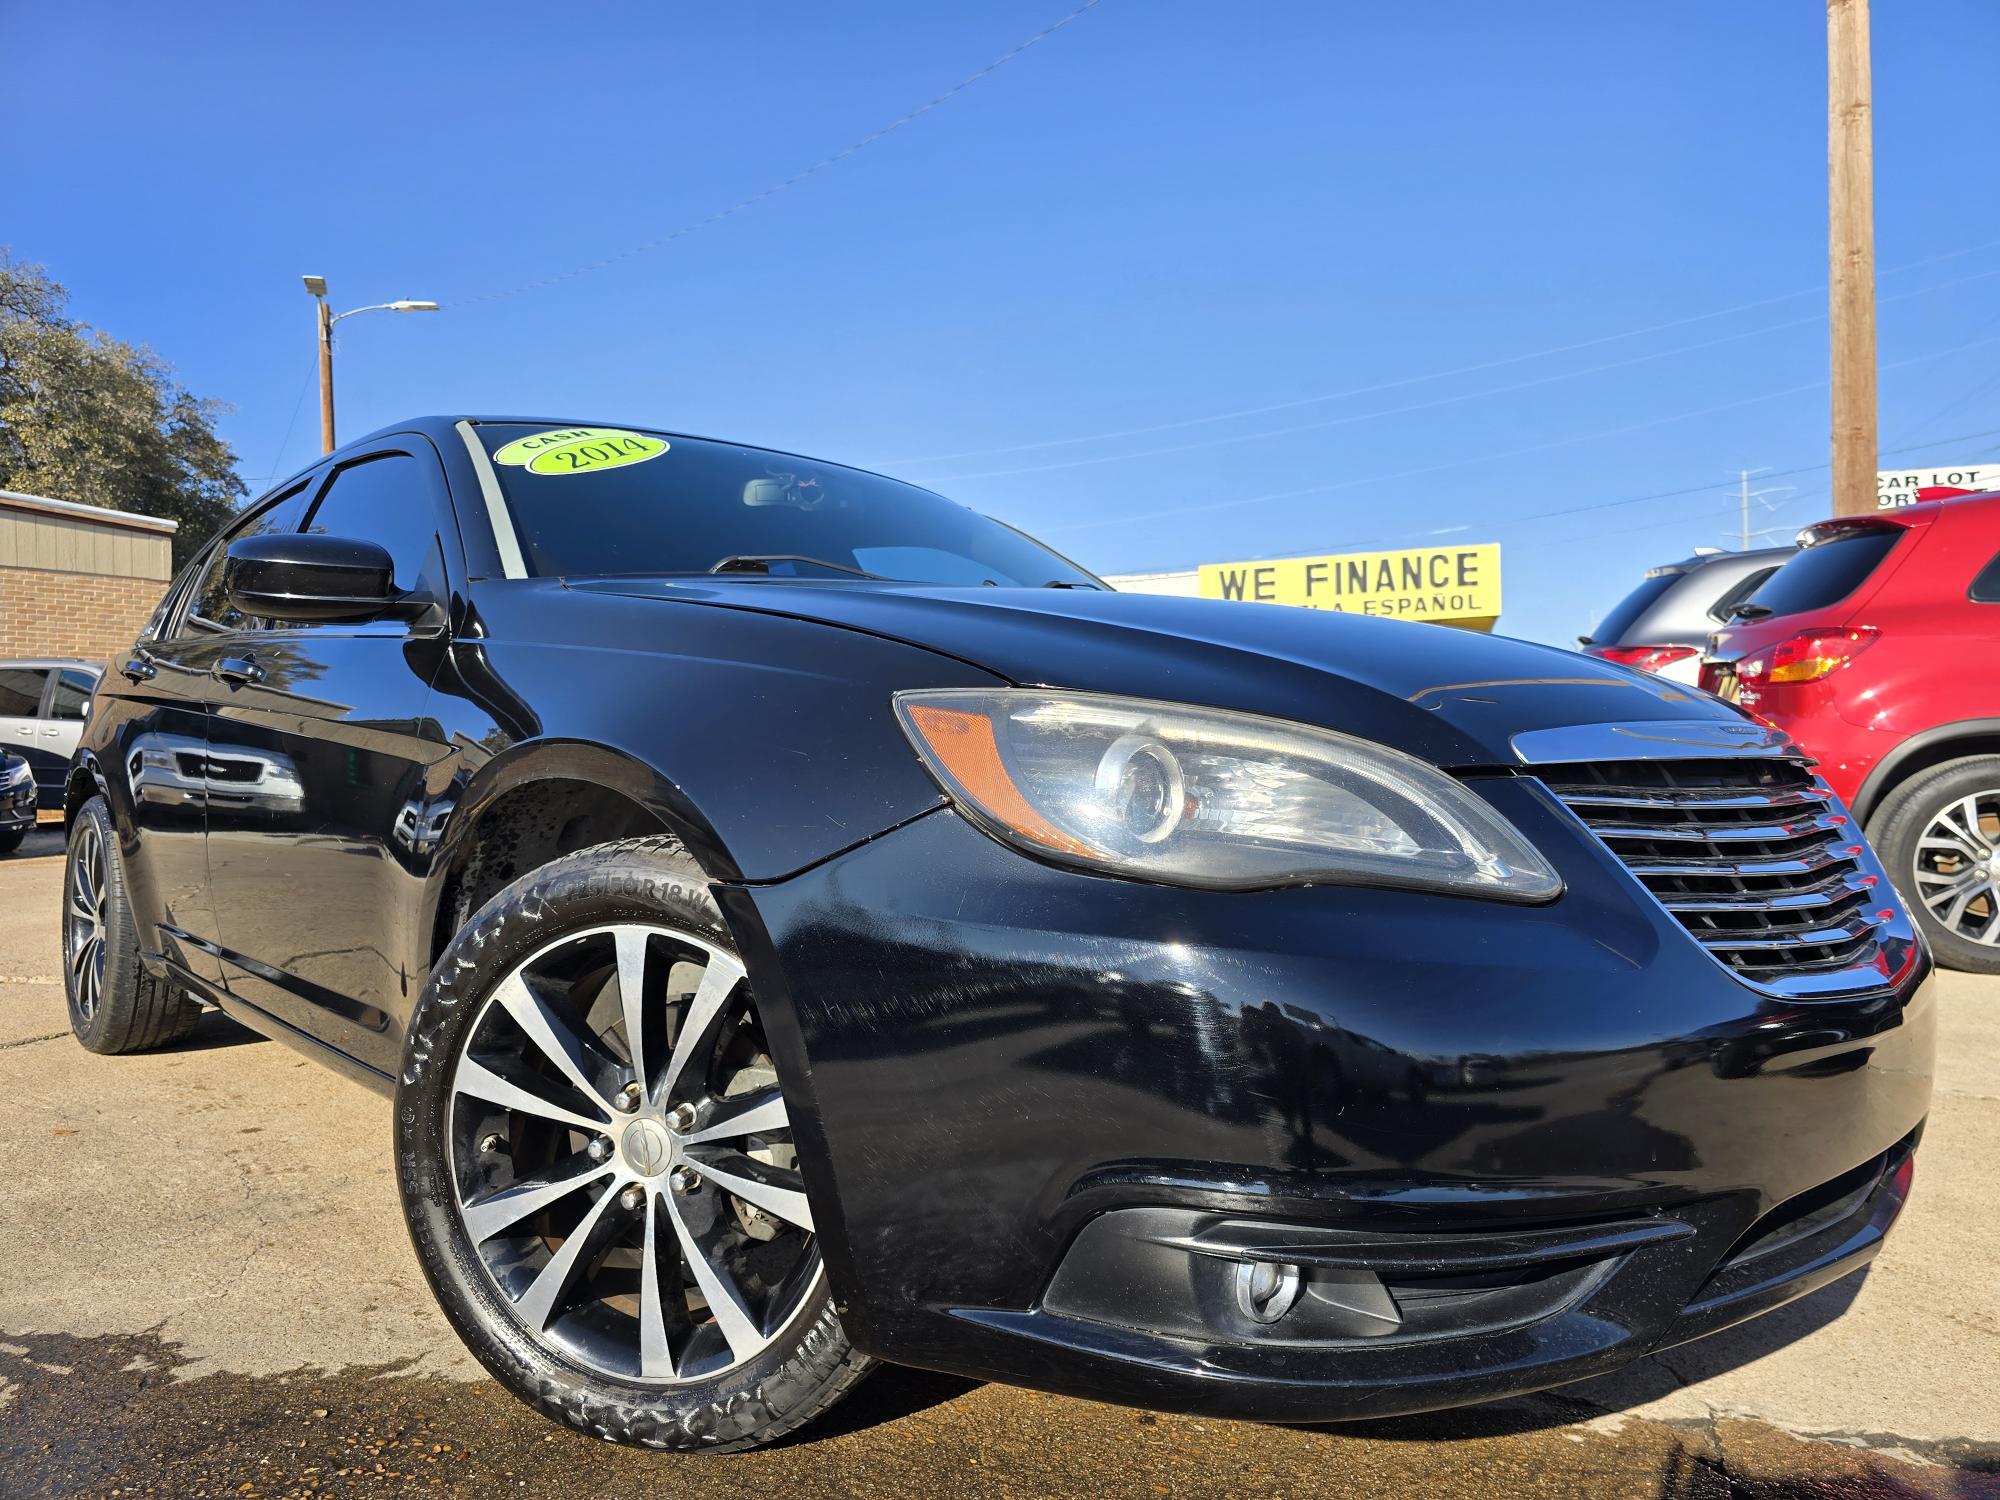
114	1004
598	1169
1939	835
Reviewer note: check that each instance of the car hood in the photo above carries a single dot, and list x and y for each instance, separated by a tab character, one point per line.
1454	697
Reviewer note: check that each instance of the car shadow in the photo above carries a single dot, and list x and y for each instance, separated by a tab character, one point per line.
891	1394
215	1031
896	1392
1644	1380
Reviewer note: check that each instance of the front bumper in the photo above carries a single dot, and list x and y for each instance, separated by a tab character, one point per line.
993	1060
17	807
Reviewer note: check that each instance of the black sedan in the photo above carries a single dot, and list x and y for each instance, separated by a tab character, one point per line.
803	922
17	801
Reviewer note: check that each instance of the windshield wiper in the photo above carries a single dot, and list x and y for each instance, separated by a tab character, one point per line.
1747	611
760	562
1071	583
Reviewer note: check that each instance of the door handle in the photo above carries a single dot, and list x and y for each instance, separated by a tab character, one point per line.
140	668
51	733
237	670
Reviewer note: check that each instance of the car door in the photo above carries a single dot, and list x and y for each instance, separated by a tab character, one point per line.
152	743
64	708
317	751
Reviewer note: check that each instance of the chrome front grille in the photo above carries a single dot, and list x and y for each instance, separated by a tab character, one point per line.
1756	858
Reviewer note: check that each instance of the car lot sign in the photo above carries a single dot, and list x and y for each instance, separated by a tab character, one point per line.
1445	585
1894	487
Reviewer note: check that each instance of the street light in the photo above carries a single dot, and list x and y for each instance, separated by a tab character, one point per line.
327	317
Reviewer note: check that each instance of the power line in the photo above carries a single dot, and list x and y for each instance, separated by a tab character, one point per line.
1472	369
1977	390
1396	411
285	442
1322	489
796	178
1718	487
1690	518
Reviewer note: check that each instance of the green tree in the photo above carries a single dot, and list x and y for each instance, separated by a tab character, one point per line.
90	418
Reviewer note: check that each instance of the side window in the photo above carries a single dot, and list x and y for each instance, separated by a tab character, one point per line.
21	691
71	695
388	499
1986	587
209	610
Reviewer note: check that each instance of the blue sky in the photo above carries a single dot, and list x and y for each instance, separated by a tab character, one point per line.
1166	213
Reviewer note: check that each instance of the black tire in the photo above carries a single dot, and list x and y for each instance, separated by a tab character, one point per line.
10	840
810	1364
1897	830
114	1004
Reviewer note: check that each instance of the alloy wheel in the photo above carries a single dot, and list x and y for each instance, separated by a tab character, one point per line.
622	1159
1957	868
83	922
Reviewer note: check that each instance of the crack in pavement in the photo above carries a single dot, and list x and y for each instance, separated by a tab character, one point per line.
30	1041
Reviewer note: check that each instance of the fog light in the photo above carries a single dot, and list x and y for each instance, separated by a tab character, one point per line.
1266	1290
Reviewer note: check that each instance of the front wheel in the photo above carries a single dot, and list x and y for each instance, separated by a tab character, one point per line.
597	1163
114	1004
1939	835
10	840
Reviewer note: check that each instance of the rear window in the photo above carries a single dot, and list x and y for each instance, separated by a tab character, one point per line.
1611	629
1822	575
1738	591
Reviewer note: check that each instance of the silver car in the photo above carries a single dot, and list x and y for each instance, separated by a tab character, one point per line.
43	703
1663	625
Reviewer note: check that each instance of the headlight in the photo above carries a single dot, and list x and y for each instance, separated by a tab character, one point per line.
1202	797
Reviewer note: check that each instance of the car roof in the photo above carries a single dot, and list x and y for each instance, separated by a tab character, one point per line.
442	427
1748	560
442	430
1918	513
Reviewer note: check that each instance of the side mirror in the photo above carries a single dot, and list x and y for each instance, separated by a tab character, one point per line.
304	576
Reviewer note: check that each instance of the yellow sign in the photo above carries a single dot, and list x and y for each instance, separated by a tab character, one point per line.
1447	585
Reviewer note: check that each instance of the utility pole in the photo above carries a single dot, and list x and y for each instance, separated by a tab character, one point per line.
1744	535
325	316
1850	176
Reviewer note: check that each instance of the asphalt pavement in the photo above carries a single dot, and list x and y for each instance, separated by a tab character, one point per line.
205	1290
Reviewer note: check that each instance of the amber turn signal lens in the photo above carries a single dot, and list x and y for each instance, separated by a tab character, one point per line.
967	750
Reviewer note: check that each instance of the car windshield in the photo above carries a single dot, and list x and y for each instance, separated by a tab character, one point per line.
1822	575
593	501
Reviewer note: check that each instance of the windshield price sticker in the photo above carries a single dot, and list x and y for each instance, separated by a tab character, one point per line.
578	450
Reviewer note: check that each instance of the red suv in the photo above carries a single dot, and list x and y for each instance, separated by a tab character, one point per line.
1877	647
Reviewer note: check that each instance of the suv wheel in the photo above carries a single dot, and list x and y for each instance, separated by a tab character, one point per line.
597	1163
114	1004
1939	834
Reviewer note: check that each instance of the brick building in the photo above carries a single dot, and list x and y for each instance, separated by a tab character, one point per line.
77	580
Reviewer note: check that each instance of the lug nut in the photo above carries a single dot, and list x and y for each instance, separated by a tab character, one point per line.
633	1198
599	1148
682	1119
629	1098
685	1180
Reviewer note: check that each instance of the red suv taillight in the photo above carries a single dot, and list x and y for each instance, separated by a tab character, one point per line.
1645	658
1806	657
